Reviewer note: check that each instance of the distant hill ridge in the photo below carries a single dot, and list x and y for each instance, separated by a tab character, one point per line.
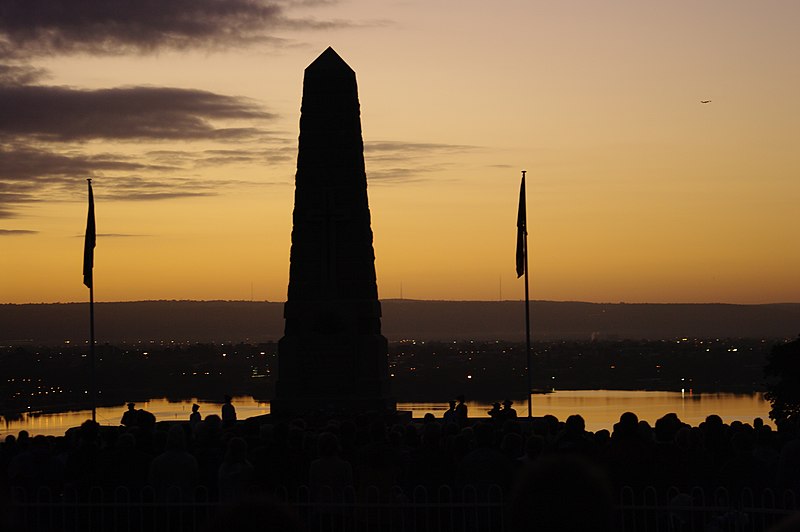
262	321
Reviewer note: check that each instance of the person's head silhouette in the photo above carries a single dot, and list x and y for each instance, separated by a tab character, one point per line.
561	493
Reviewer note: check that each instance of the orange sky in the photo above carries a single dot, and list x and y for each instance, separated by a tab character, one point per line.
637	192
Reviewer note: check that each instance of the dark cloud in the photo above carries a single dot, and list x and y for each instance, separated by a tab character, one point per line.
50	27
401	174
44	131
63	114
395	147
137	188
209	157
47	132
112	235
20	74
9	195
397	161
29	164
29	175
16	232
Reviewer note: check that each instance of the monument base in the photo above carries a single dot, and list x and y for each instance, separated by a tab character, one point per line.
332	407
339	371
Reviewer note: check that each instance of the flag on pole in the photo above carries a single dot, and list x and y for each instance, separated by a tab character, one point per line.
522	229
89	242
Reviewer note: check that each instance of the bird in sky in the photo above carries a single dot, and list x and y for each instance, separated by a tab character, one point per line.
705	101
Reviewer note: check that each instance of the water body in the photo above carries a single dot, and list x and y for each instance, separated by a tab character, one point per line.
599	408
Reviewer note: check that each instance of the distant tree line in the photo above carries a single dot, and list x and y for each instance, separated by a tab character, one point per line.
782	373
58	377
492	370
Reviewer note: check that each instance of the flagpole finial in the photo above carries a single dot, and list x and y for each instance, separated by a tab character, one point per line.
89	179
523	173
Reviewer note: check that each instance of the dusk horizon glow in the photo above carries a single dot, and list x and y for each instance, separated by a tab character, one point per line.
636	191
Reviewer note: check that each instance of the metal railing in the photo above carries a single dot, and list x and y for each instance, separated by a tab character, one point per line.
444	509
674	510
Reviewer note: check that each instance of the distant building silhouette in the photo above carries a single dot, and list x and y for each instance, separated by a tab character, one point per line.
333	357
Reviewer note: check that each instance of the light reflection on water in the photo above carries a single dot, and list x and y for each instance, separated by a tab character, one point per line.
602	408
599	408
164	410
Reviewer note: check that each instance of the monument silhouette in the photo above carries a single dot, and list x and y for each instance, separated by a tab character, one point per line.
332	357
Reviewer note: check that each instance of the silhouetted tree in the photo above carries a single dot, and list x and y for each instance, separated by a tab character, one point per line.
783	382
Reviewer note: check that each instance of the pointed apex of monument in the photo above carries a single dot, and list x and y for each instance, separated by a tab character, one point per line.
329	60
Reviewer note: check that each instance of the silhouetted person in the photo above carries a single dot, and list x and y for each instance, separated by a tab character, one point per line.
508	412
573	438
534	446
329	475
263	457
450	414
431	465
209	450
561	493
789	466
138	418
80	469
626	426
485	466
236	473
174	474
195	417
131	417
331	481
145	420
228	412
36	467
378	465
124	465
494	413
512	445
667	427
629	455
462	415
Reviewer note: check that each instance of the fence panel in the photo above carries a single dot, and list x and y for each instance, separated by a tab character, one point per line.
373	509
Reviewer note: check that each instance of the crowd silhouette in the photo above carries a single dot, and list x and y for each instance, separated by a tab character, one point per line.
545	469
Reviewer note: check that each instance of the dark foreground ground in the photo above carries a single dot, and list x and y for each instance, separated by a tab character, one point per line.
385	473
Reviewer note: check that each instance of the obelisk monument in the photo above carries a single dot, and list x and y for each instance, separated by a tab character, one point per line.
332	358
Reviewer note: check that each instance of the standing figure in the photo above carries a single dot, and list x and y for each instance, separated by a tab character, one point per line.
450	414
228	412
508	412
195	417
131	416
461	411
174	474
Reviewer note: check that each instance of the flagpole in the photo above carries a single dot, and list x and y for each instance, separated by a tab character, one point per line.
522	269
527	313
93	384
88	280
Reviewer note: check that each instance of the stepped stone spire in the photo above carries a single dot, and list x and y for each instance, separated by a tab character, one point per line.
332	357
